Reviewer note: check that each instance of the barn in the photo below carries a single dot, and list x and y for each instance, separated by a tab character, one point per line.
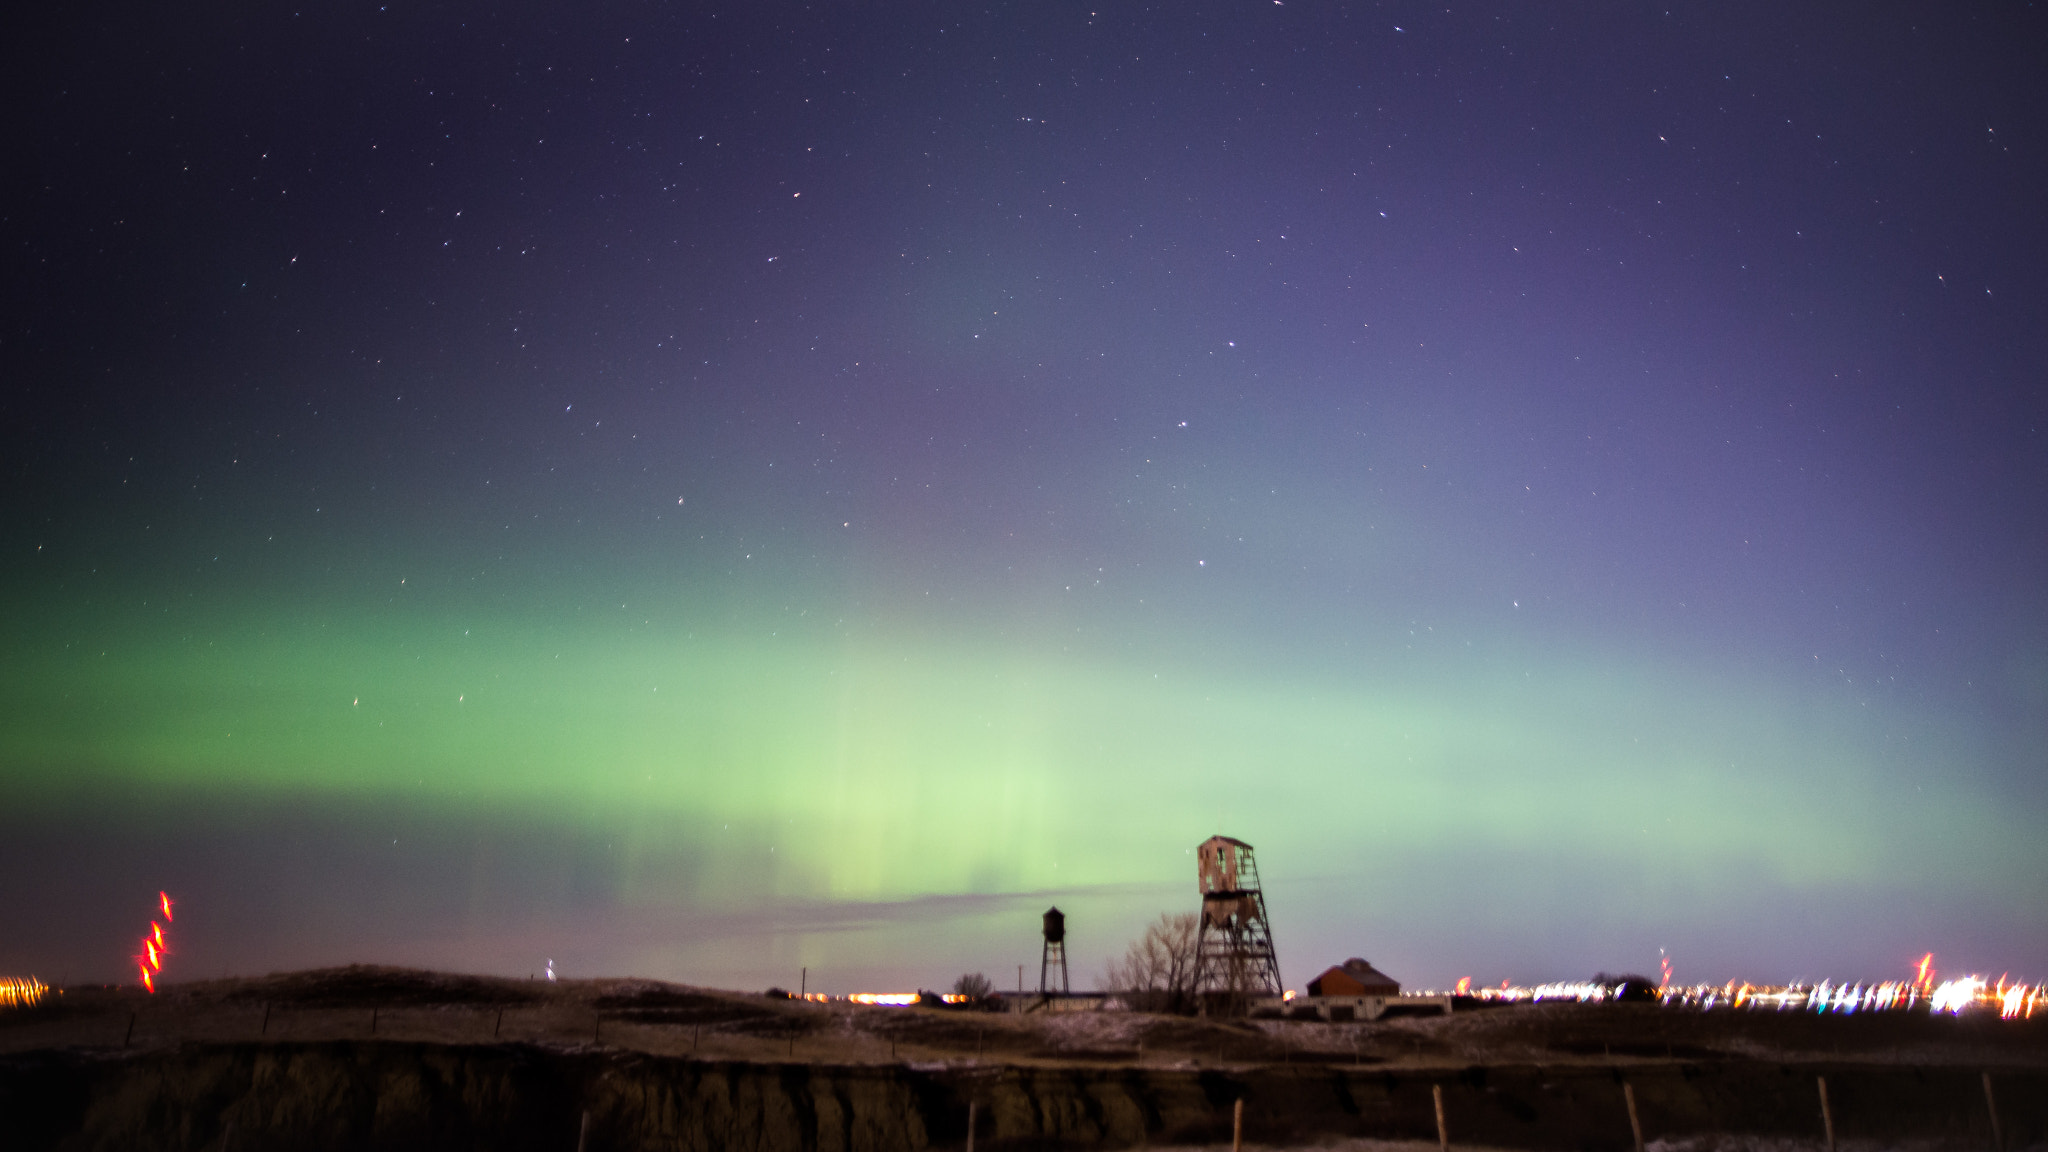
1354	977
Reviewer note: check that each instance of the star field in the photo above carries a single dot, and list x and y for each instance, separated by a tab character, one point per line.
700	492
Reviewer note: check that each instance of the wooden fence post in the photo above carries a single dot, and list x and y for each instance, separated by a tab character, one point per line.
1237	1126
1635	1123
973	1107
1443	1130
1991	1104
1827	1114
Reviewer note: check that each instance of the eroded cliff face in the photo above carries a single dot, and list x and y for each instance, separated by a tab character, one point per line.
361	1095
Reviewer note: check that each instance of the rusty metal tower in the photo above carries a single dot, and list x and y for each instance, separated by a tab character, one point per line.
1055	952
1234	958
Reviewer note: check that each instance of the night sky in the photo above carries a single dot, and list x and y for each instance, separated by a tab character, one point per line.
702	492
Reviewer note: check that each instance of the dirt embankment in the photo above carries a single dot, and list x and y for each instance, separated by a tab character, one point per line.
363	1094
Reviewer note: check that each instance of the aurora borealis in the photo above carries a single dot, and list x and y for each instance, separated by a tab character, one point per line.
703	493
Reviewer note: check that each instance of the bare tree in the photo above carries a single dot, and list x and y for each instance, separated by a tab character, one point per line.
974	986
1157	973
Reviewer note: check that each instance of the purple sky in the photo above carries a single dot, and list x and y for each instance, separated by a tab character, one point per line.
1583	465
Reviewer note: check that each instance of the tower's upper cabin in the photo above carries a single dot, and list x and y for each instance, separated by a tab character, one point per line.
1225	865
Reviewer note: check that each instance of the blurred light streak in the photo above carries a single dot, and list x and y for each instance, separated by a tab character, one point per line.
1954	997
154	947
17	992
891	999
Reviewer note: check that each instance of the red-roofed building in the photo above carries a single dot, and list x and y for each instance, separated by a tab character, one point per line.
1354	977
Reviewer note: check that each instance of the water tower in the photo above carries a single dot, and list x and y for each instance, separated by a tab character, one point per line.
1234	958
1055	952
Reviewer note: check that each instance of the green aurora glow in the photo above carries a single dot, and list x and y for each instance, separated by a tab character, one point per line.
855	767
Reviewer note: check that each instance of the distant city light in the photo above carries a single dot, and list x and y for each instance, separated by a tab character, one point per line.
1954	997
20	992
887	999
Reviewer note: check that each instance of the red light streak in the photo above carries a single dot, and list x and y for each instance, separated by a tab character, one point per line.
154	947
